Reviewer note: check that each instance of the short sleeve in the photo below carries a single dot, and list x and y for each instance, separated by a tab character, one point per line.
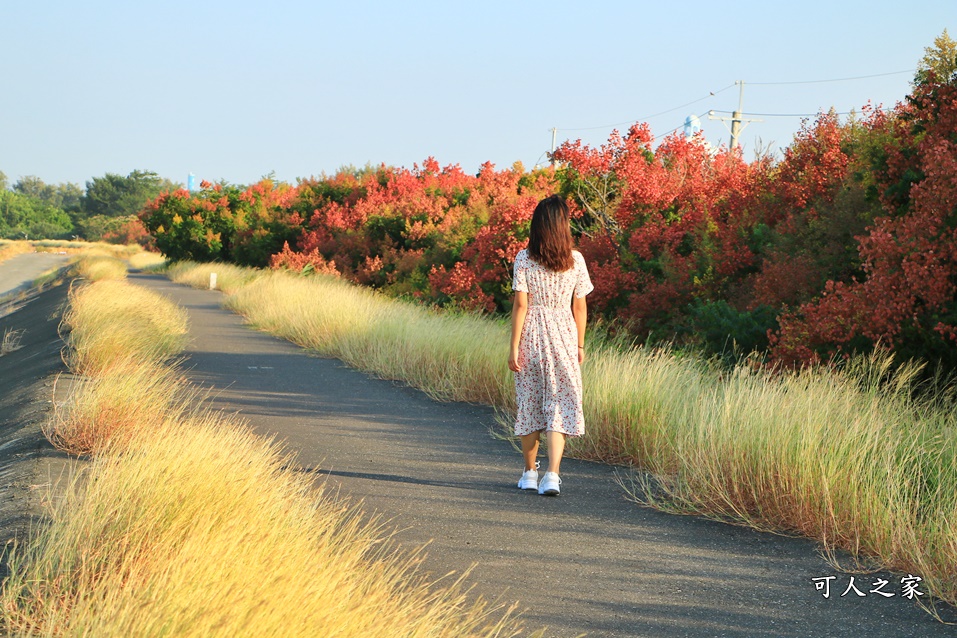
583	285
519	283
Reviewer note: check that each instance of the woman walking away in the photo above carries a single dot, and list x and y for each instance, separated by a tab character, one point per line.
550	281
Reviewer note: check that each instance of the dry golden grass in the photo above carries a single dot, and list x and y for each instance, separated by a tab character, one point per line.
10	341
859	466
229	278
434	351
10	249
120	251
80	247
202	531
111	261
67	245
188	524
146	261
839	457
95	266
115	320
129	399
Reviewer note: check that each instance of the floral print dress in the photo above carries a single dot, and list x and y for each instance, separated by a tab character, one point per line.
548	388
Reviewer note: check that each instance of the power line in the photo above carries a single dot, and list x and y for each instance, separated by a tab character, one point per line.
858	77
648	117
791	114
713	93
797	114
736	118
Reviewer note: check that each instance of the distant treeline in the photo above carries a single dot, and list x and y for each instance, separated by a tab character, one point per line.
106	210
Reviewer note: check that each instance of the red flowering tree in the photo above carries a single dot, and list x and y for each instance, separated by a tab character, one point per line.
662	227
130	230
813	205
905	298
508	199
431	232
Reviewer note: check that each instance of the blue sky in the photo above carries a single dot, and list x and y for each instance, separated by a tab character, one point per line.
234	90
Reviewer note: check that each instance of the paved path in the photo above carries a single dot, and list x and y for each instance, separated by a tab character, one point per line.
18	272
587	561
28	463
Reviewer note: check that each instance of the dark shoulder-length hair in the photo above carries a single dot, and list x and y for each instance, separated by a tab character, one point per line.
550	238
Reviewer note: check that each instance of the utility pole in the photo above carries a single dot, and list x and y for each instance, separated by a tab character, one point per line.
736	117
554	138
737	122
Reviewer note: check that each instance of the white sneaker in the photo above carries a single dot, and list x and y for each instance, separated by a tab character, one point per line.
549	484
529	480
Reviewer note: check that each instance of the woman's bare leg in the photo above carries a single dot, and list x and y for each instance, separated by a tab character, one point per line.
556	447
530	449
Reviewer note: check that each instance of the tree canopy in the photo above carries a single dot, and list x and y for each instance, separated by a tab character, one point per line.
940	58
66	196
107	210
26	217
114	195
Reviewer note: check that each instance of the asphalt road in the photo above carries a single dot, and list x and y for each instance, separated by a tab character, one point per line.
589	561
29	465
19	271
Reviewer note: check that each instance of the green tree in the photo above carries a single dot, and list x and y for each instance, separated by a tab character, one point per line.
66	196
940	58
181	229
117	196
31	186
27	217
3	181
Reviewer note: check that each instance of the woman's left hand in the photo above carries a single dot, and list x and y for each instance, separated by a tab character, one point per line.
513	363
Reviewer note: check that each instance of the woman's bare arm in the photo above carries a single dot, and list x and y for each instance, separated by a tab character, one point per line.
580	312
519	310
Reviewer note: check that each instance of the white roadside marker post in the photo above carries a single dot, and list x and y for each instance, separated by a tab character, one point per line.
212	281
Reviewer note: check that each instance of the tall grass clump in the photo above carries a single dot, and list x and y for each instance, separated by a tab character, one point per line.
111	320
130	398
839	457
147	261
95	266
853	458
229	278
450	356
203	532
